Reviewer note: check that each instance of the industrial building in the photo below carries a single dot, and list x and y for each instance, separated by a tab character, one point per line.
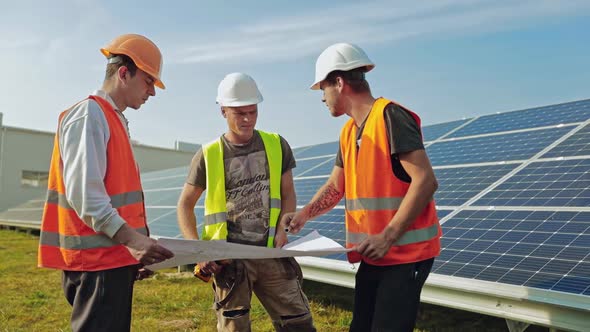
25	155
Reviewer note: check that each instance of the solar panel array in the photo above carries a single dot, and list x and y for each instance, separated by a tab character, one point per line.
513	197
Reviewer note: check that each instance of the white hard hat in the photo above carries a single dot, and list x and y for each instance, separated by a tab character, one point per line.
238	89
341	56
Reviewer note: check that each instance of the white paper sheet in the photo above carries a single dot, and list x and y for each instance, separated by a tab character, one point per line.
194	251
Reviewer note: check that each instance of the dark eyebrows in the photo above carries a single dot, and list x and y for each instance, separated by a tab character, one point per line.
246	112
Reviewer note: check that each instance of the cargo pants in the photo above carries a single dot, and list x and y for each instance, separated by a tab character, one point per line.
277	284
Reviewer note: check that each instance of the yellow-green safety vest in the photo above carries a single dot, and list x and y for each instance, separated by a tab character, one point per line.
215	203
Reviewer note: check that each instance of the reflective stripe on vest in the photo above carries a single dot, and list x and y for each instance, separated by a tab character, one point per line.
215	223
80	242
66	241
412	236
374	194
117	201
379	203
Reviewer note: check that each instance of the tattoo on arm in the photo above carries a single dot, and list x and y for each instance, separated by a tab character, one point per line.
326	199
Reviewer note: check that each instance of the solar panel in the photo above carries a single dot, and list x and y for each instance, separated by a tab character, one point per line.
459	184
491	229
330	148
572	112
162	198
541	249
432	132
163	221
547	183
321	169
576	145
168	181
305	165
164	173
307	187
504	147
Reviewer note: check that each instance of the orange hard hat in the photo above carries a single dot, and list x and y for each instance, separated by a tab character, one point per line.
141	50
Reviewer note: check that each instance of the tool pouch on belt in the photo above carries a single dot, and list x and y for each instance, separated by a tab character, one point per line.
292	268
206	277
226	281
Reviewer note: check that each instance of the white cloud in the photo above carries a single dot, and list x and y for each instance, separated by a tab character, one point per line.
291	37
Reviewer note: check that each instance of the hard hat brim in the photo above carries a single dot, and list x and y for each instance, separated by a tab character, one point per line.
316	84
239	103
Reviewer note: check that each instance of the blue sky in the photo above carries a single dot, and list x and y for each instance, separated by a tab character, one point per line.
445	59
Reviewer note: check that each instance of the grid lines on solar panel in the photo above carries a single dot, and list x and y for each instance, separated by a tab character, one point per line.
458	185
162	197
572	112
542	249
306	188
323	168
164	221
331	225
576	145
164	173
548	183
432	132
514	146
170	181
323	149
304	165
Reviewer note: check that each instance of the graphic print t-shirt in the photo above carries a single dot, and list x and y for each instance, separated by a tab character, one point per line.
247	187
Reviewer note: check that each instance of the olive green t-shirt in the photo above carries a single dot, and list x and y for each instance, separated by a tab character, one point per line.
403	134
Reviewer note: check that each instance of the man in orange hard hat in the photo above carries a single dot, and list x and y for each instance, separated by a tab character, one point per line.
94	224
385	175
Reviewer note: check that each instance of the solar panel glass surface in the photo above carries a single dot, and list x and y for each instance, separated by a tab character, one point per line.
506	147
542	249
548	183
572	112
576	145
516	233
432	132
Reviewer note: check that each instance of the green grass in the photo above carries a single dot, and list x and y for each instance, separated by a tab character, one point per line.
32	300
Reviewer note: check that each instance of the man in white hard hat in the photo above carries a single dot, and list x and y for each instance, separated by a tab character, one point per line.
247	174
385	175
94	226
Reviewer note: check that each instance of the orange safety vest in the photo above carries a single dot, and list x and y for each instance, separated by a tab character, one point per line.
67	243
373	194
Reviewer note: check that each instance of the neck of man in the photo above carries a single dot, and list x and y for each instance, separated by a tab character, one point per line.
360	107
116	94
234	138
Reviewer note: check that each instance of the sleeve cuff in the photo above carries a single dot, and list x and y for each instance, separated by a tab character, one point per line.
112	225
